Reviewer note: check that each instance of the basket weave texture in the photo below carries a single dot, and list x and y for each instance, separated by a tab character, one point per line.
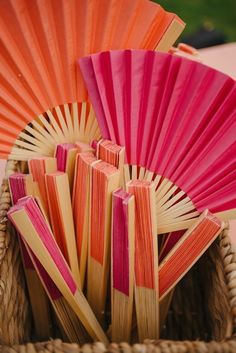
202	316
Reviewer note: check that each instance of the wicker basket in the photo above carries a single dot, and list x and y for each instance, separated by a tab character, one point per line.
202	316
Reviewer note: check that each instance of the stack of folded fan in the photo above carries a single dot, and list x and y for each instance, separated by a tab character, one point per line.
130	161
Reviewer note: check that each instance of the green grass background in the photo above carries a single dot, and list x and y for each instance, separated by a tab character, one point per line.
221	14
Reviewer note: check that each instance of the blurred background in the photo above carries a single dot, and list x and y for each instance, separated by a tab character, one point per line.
208	22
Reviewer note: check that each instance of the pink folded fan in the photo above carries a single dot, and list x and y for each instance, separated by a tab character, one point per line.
40	82
177	121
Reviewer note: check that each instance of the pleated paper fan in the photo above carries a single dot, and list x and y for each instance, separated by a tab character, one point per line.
41	41
177	121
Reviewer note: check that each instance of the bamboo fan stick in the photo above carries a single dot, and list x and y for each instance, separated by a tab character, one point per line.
187	251
68	117
122	262
148	175
22	185
105	178
52	127
179	216
31	143
59	201
82	119
75	120
167	196
176	225
127	176
28	220
146	259
84	123
141	173
62	124
134	172
172	202
183	206
38	133
163	188
81	206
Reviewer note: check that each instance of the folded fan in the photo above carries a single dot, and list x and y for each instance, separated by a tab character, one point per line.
176	119
195	241
81	206
40	43
146	259
104	179
61	216
70	324
22	185
122	265
34	230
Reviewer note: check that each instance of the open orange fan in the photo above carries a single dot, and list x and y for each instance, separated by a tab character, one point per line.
39	80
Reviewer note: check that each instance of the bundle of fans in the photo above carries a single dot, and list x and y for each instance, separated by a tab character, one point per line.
127	146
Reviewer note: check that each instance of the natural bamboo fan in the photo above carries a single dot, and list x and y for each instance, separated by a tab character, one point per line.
40	82
177	121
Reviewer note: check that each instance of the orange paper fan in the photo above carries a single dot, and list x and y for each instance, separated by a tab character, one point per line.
40	81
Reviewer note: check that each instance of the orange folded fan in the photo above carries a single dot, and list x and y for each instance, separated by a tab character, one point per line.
38	167
40	82
195	241
145	259
105	178
81	206
61	217
176	119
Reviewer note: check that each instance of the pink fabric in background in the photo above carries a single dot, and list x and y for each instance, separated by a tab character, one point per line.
220	57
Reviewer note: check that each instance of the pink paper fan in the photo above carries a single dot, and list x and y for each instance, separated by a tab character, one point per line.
177	121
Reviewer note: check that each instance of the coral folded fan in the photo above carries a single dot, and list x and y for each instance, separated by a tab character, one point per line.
41	84
176	119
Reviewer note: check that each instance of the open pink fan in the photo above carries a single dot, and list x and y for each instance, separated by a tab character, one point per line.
177	121
39	80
